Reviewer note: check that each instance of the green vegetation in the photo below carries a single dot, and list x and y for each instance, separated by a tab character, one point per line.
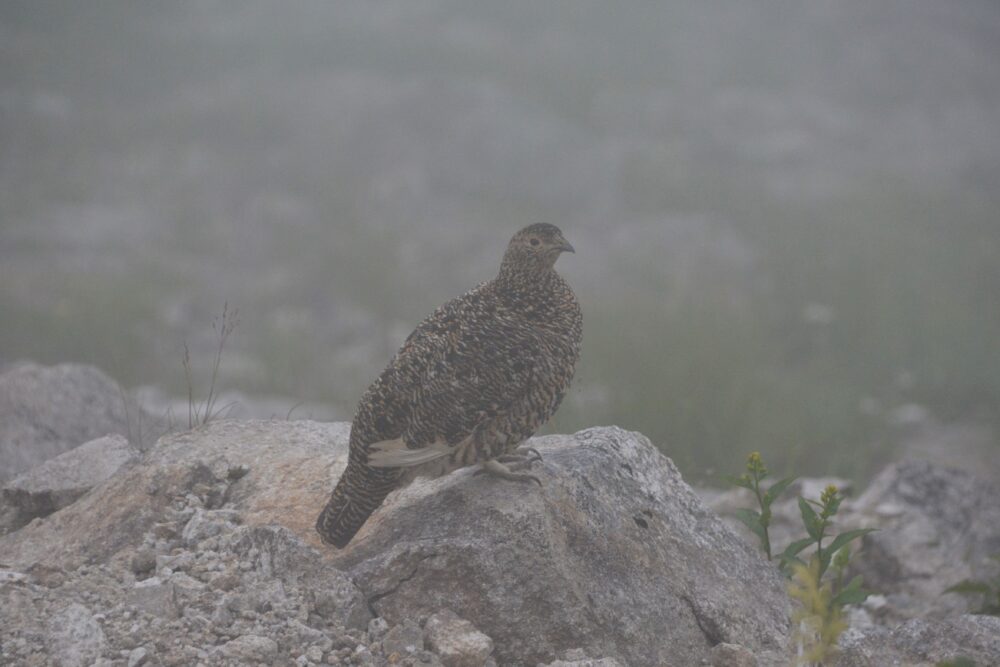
758	521
819	585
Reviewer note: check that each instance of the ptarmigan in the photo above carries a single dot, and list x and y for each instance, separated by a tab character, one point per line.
470	384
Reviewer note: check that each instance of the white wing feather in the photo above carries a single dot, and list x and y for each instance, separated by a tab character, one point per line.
395	454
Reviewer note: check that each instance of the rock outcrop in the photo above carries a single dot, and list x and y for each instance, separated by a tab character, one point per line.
60	481
47	410
275	472
615	554
204	551
924	642
937	527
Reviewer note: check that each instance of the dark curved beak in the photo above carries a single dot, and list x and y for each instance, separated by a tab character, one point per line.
566	247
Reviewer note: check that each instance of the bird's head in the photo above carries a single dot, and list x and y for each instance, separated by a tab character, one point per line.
536	247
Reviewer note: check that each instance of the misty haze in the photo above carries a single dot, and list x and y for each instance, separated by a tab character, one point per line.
785	215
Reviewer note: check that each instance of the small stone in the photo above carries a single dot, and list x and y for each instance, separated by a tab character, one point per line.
143	561
732	655
226	581
167	530
377	627
174	562
185	584
208	523
12	577
154	596
405	639
45	575
222	617
251	648
137	657
237	472
75	639
314	653
362	656
457	641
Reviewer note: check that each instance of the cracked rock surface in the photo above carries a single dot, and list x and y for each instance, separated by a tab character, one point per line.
614	554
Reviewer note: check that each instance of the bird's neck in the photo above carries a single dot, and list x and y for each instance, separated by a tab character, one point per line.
524	279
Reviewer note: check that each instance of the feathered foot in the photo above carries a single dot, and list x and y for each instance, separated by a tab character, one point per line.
496	468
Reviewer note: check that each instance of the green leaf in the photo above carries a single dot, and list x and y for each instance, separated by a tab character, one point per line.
847	536
824	561
812	523
852	593
777	489
969	587
738	481
751	519
798	545
787	561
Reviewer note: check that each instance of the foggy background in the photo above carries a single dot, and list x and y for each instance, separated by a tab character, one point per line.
785	213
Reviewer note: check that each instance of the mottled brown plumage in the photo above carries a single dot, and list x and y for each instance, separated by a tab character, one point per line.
471	383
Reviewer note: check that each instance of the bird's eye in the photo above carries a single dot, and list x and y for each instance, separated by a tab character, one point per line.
535	241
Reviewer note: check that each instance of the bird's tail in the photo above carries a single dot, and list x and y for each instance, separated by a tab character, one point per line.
359	492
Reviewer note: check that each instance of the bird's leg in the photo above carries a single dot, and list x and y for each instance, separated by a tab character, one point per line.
498	469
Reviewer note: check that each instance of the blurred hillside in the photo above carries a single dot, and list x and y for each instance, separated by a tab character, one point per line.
785	214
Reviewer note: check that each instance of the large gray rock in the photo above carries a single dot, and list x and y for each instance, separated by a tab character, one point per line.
60	481
924	642
937	526
615	554
47	410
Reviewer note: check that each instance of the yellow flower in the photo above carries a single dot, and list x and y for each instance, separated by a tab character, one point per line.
755	464
829	494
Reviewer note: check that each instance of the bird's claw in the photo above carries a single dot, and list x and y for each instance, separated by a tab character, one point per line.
520	459
497	468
